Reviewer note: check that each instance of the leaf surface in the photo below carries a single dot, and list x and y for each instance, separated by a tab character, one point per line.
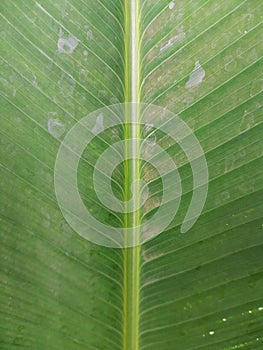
60	61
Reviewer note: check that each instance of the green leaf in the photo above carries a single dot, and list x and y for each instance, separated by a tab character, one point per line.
64	59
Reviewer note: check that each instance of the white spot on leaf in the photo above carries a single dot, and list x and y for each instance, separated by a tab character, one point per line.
89	35
222	197
83	74
151	140
180	36
148	126
256	87
196	77
67	44
247	122
99	126
66	85
55	127
230	63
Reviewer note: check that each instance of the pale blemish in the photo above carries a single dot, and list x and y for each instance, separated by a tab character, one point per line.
102	94
5	85
151	256
46	218
247	122
115	136
232	160
222	197
85	53
196	77
151	140
55	127
245	23
230	63
180	36
188	100
247	186
99	126
148	126
239	52
83	74
89	33
114	100
66	45
171	5
60	33
34	81
150	204
66	85
211	332
256	87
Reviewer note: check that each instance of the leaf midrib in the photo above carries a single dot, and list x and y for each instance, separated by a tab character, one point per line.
131	256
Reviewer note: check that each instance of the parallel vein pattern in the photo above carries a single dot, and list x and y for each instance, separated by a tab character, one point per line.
63	59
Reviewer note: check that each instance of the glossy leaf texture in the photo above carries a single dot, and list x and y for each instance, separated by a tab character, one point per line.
63	59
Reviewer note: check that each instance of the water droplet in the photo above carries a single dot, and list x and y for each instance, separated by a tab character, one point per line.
211	332
260	308
171	5
196	77
224	319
